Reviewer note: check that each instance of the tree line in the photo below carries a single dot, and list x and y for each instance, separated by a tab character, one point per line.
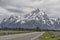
21	29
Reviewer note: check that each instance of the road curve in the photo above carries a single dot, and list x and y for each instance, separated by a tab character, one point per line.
26	36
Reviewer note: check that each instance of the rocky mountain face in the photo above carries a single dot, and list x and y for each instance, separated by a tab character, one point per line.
36	18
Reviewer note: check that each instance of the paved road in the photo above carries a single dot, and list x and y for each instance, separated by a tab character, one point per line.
26	36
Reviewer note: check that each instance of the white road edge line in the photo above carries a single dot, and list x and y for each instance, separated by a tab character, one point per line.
37	36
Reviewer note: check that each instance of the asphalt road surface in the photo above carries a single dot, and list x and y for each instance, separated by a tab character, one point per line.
25	36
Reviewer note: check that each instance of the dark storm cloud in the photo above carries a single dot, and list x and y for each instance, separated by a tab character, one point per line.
15	10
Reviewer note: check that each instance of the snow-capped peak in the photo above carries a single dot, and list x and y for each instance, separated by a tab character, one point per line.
10	19
36	15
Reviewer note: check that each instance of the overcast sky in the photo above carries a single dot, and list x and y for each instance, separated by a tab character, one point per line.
21	7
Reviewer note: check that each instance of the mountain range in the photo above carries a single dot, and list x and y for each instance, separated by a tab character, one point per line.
36	18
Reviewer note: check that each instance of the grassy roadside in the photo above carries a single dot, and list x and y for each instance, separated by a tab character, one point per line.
11	33
47	36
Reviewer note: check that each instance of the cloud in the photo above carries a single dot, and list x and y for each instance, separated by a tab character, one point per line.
25	6
4	13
